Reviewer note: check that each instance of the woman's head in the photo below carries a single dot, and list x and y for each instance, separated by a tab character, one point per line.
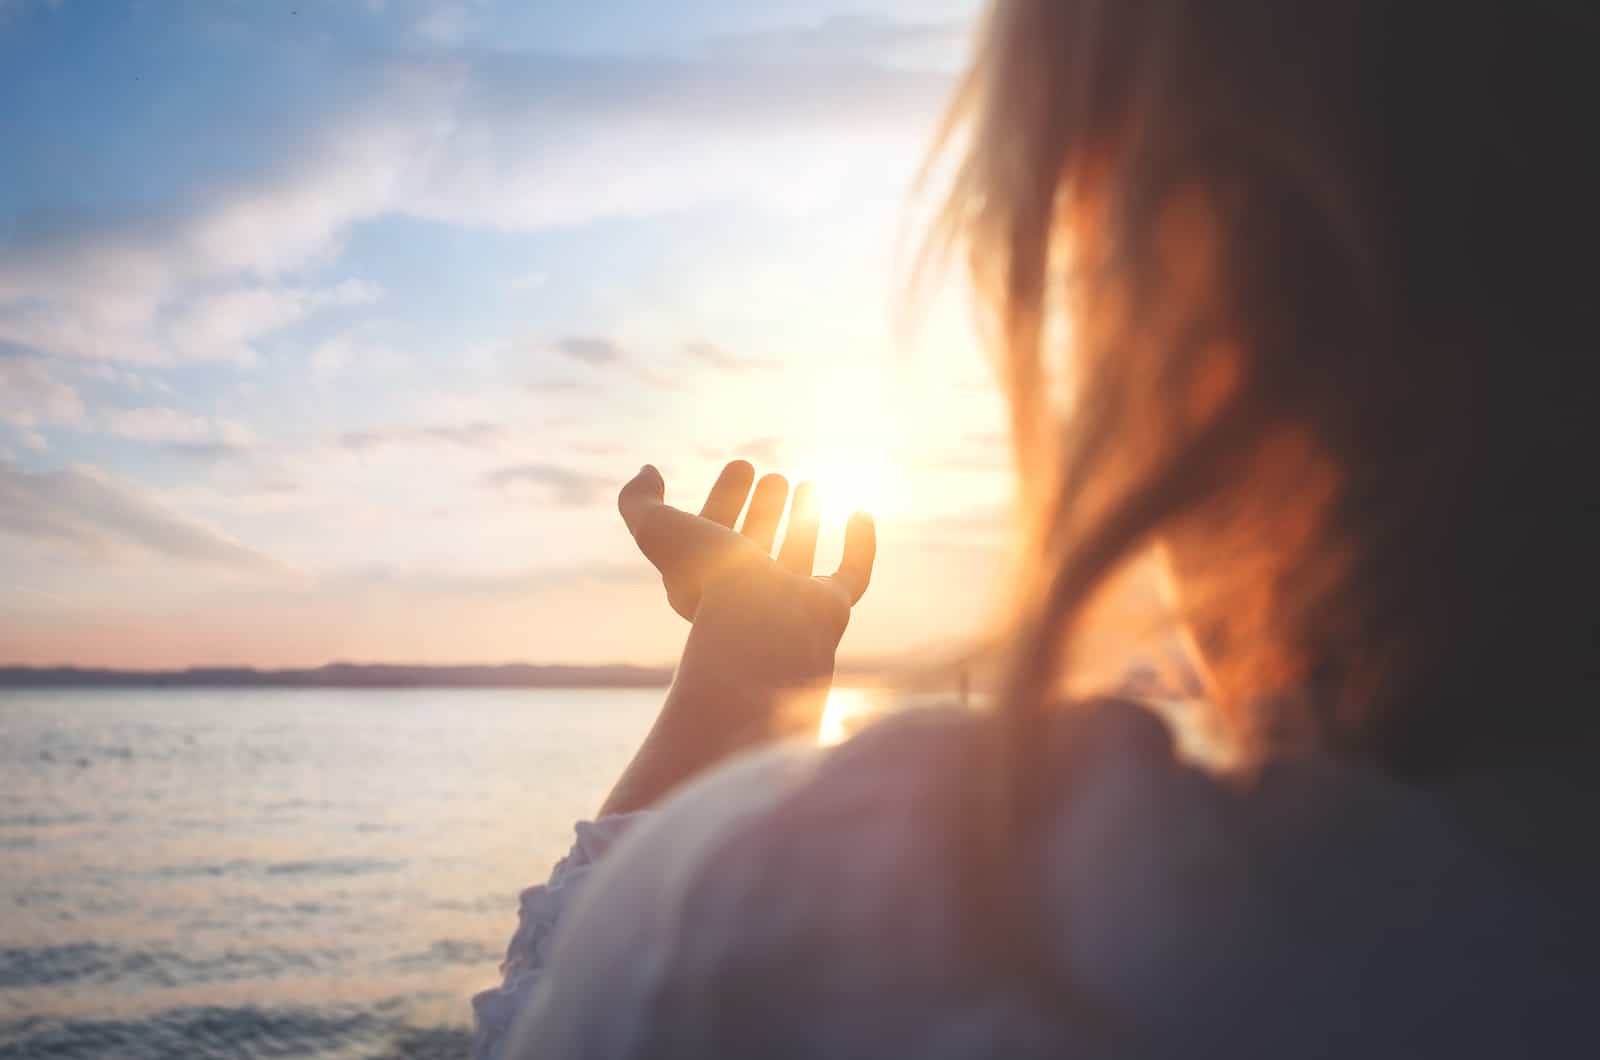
1305	294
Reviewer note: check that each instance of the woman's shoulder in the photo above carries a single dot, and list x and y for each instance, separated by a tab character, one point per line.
832	884
875	806
805	902
874	803
847	885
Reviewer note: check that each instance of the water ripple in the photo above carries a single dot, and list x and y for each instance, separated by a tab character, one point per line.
102	965
204	1033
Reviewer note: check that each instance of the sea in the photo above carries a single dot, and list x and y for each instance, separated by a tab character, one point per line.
280	873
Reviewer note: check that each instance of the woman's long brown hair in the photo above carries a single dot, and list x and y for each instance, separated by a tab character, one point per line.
1307	293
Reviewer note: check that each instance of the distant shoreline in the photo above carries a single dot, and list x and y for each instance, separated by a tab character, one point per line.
342	675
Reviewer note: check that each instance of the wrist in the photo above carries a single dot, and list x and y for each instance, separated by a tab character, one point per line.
737	650
725	710
711	715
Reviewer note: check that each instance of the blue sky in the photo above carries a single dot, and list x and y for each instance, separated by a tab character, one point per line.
329	329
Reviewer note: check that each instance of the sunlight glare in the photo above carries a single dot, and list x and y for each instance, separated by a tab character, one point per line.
847	710
849	436
862	478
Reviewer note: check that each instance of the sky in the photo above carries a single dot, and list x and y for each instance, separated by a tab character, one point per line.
330	328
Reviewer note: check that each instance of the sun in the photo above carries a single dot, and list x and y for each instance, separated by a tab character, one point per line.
846	480
858	434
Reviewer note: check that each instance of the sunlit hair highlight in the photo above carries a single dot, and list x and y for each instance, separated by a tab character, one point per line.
1255	272
1302	293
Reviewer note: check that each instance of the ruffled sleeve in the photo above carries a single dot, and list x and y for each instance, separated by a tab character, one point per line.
540	909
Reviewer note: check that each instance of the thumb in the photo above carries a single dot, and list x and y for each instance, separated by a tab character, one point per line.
675	541
643	492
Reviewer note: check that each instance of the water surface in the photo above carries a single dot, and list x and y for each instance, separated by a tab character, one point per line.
306	873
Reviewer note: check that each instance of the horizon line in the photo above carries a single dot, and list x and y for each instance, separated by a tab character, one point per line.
345	674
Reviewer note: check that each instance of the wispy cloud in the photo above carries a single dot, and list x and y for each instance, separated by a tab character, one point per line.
607	353
32	397
481	435
590	350
557	386
859	37
715	356
566	486
348	352
221	326
445	24
98	516
73	316
176	429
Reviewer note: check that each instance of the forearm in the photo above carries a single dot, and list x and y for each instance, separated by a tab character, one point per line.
707	718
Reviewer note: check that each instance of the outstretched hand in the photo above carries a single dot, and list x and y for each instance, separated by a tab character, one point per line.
775	622
759	657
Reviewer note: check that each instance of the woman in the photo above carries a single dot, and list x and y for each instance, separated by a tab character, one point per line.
1329	270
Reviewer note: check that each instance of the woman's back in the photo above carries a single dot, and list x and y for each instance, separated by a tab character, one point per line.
809	905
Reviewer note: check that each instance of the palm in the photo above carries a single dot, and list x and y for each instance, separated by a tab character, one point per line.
704	554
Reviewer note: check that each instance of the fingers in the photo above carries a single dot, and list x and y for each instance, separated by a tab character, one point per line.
766	510
727	496
800	539
860	549
679	543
